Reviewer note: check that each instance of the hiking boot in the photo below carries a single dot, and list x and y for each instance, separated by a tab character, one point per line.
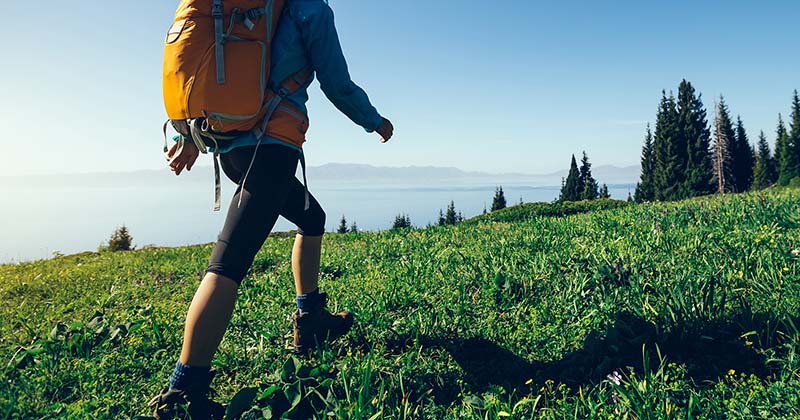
191	403
318	325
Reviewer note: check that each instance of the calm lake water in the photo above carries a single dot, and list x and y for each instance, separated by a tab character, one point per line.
40	220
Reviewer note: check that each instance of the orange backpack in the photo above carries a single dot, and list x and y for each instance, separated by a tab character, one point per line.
216	70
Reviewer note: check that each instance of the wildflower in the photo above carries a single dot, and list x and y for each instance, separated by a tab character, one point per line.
785	269
258	382
796	252
615	377
528	382
549	382
748	343
772	241
503	414
758	241
731	372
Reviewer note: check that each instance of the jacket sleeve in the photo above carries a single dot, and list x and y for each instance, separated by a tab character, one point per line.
326	56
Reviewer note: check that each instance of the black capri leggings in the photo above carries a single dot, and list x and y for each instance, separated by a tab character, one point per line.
271	190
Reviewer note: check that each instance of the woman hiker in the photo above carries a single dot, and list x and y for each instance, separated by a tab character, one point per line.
306	38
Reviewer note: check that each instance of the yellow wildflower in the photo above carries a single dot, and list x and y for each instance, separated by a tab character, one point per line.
786	269
528	382
731	372
748	343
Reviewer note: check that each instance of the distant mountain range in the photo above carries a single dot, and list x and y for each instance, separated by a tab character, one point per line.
347	172
339	173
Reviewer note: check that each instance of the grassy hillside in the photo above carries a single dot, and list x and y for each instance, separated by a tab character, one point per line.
683	310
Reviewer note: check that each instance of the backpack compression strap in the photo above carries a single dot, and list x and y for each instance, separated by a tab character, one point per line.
217	13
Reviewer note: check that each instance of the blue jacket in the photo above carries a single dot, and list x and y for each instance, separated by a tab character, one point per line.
306	38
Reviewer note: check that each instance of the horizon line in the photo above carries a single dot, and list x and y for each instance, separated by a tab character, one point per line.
106	172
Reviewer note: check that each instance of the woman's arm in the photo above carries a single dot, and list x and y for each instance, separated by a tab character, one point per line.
325	52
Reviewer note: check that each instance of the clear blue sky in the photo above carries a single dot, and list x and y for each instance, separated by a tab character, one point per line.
509	85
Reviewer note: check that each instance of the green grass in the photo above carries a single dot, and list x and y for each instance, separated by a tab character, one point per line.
694	305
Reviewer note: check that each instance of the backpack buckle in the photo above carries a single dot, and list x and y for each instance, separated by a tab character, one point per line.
216	10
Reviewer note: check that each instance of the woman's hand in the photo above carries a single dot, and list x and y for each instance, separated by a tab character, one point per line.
183	158
386	130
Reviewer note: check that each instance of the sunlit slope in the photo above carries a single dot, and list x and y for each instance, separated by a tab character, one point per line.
522	312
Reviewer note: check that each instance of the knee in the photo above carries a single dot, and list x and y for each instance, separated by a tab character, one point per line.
314	223
318	222
321	220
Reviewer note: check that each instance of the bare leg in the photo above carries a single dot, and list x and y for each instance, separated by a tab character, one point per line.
207	320
305	263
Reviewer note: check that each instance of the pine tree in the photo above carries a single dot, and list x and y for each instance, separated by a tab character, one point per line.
644	189
693	127
604	192
120	240
724	137
342	226
571	191
764	170
790	153
442	221
781	137
670	152
499	201
630	198
354	228
401	221
587	181
742	158
451	217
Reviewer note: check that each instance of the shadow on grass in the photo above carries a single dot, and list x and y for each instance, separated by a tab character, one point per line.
708	352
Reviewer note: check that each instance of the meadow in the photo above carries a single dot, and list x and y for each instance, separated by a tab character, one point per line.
606	310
